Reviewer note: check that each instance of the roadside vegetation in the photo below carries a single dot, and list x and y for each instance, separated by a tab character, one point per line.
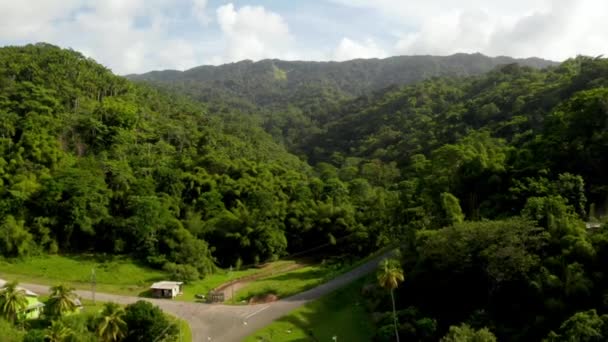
113	274
341	313
65	317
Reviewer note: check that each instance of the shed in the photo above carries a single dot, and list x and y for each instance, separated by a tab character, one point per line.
166	289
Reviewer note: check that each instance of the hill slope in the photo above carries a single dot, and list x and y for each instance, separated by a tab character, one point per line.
90	161
292	98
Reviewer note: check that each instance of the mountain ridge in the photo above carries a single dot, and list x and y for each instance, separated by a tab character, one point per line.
530	61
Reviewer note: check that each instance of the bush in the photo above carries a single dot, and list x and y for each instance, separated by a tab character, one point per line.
8	333
180	272
147	322
35	335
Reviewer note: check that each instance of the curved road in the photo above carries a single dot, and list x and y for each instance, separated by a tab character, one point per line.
230	323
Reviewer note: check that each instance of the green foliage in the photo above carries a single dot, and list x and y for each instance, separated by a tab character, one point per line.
147	322
294	99
390	274
12	301
34	335
584	326
465	333
451	205
58	332
184	273
17	241
112	325
340	313
91	162
9	333
62	300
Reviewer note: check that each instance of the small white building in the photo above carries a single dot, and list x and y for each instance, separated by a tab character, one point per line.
166	289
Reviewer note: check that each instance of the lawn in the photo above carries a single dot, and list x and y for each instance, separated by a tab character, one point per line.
113	274
340	314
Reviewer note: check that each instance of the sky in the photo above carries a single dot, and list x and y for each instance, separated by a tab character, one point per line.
135	36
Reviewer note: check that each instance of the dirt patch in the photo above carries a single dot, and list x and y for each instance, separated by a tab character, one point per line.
262	299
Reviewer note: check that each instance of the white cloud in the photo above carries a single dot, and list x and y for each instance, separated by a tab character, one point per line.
128	36
199	8
141	35
554	29
252	32
22	19
351	49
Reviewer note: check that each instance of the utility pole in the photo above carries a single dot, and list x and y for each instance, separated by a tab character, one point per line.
93	283
232	284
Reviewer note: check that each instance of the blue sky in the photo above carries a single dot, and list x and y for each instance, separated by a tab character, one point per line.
141	35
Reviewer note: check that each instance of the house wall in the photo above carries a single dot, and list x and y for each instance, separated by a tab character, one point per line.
34	313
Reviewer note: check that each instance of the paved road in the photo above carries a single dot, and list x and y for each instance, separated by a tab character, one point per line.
228	323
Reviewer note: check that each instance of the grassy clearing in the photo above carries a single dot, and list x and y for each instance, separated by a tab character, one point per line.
210	282
113	274
224	276
290	283
118	275
340	313
286	284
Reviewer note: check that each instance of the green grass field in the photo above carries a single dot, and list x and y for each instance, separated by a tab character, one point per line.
286	284
113	274
224	276
340	314
210	282
118	275
290	283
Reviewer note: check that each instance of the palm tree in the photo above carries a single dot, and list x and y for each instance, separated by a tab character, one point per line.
62	300
390	275
112	327
12	301
57	332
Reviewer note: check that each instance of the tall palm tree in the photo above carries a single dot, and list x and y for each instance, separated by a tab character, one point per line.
12	301
57	332
112	326
389	276
62	300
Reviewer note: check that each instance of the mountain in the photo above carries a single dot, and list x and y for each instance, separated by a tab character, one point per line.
260	82
292	99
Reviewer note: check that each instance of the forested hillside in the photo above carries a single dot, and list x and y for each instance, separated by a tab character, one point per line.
293	99
91	162
510	163
486	181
